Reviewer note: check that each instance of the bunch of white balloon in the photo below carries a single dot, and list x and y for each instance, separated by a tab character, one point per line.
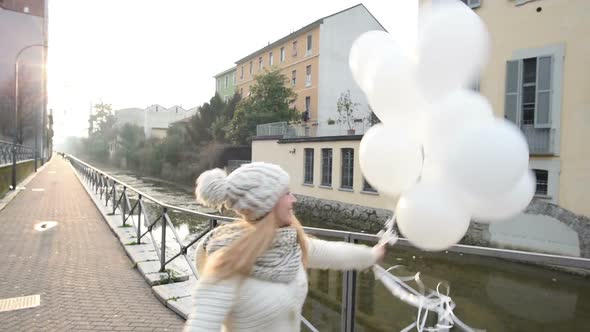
439	147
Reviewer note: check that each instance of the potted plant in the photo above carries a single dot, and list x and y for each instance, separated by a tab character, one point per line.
331	122
347	110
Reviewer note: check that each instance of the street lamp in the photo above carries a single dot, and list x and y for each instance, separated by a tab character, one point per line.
16	115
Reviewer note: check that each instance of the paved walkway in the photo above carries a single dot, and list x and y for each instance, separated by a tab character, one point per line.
85	280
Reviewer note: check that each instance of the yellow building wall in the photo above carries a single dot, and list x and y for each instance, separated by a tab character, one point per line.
291	157
298	63
565	22
559	22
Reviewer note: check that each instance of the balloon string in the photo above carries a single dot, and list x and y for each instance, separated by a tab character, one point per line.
435	301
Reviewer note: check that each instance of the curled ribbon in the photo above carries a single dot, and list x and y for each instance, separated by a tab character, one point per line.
434	301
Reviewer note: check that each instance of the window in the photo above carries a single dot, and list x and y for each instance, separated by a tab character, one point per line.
234	78
250	68
542	182
242	73
270	59
367	186
472	3
308	167
294	77
259	63
226	99
218	84
308	76
294	48
226	81
282	54
307	104
327	167
241	91
533	96
346	181
528	91
308	50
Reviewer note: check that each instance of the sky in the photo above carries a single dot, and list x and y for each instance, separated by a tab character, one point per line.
135	53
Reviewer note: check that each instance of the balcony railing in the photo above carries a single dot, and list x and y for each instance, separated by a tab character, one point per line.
541	140
285	130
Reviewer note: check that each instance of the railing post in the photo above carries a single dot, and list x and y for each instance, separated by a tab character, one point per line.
139	219
124	201
107	191
163	243
348	296
114	197
212	224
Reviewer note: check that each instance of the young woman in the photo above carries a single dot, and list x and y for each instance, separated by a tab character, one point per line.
254	272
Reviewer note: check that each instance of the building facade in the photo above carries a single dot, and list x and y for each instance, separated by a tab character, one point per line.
315	61
225	84
23	23
154	119
534	79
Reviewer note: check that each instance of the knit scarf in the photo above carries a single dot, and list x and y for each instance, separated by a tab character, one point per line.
280	263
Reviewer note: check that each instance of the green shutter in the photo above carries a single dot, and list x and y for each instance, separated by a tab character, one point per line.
544	92
513	89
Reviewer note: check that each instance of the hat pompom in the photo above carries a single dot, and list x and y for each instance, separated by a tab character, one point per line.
212	188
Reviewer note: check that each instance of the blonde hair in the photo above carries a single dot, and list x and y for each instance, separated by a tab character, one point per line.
238	258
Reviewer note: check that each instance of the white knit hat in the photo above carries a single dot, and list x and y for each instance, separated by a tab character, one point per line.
254	187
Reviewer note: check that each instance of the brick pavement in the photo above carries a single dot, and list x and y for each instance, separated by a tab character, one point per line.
85	280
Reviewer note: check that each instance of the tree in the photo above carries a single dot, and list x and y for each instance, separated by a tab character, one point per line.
347	110
102	132
221	126
270	101
200	126
130	140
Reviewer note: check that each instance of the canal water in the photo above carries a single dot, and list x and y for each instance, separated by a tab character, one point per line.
491	294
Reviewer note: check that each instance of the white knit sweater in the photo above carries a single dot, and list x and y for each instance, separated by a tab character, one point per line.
238	304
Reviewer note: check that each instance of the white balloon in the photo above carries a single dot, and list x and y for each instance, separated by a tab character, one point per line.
431	218
488	160
447	119
391	160
453	46
506	205
393	92
366	52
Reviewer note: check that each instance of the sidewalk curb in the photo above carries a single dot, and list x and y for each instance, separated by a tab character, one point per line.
13	193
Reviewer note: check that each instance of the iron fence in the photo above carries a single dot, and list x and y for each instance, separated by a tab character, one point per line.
116	193
22	152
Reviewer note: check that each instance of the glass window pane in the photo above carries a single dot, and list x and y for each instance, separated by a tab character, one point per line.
529	71
544	73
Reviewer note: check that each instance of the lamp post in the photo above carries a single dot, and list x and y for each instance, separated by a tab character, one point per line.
15	137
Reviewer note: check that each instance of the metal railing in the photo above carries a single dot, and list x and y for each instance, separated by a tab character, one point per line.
233	164
285	130
272	129
22	153
116	193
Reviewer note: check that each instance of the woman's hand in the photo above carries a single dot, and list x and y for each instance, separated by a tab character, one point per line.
379	252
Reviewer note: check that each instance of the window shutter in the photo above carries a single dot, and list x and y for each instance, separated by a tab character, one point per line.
544	92
511	102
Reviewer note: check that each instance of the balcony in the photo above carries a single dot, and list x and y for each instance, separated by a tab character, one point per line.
285	130
541	140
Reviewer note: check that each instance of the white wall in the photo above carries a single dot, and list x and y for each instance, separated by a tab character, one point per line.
337	34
